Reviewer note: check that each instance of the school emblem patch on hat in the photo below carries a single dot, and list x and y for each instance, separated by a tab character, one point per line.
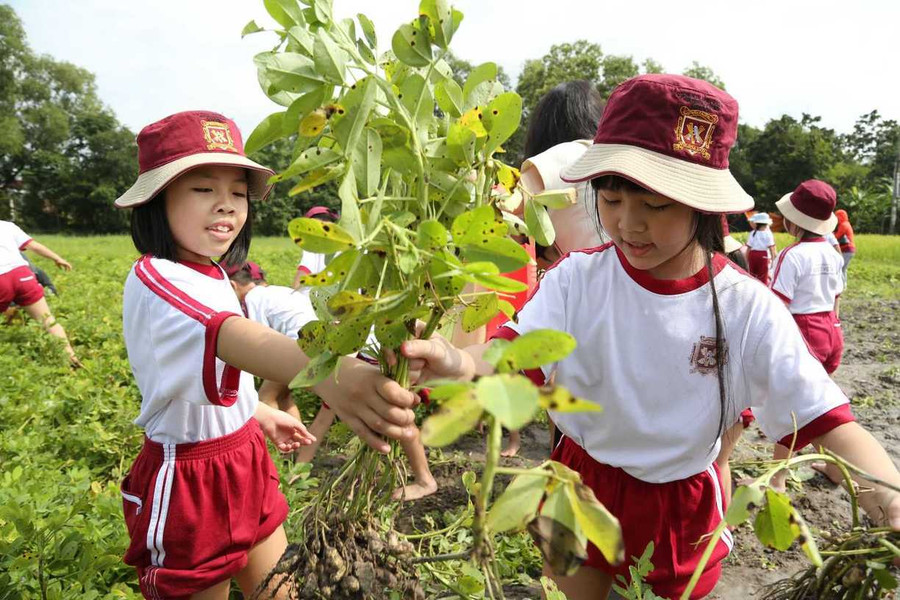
671	135
185	141
218	136
694	131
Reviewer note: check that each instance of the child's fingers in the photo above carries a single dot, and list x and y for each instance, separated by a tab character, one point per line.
382	426
393	393
358	427
302	433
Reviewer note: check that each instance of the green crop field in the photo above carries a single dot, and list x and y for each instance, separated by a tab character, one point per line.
66	437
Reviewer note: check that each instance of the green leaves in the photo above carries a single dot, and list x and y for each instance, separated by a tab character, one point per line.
443	20
557	198
454	417
315	371
367	162
480	312
778	524
539	224
269	130
519	502
309	160
745	499
317	236
599	525
512	399
534	350
330	60
412	44
449	97
501	119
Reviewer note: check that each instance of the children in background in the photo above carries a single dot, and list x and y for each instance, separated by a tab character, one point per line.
282	309
734	250
559	132
807	273
286	311
201	500
673	341
19	285
312	262
844	235
833	242
762	246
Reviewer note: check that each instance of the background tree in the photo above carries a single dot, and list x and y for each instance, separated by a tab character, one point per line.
698	71
64	157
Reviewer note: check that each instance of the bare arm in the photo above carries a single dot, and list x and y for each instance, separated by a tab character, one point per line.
853	443
42	250
368	402
436	358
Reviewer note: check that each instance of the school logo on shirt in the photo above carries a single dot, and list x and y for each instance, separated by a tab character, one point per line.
703	356
694	131
218	136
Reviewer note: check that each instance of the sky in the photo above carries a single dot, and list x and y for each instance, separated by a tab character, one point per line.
151	58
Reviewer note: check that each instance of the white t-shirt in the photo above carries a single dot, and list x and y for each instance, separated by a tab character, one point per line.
12	241
280	308
574	227
761	239
646	353
808	276
171	318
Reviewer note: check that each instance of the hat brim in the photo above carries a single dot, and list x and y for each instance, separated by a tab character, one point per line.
703	188
732	244
150	183
786	208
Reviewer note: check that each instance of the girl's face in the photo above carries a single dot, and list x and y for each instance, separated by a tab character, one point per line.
206	208
656	234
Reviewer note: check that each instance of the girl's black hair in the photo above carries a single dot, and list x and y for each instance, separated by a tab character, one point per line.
709	234
570	111
151	234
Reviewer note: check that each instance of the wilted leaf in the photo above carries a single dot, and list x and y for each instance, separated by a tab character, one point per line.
314	123
518	504
507	176
745	499
311	338
559	399
349	337
558	536
472	120
599	525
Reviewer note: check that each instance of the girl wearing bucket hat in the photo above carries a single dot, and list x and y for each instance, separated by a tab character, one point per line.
808	273
665	324
201	500
762	246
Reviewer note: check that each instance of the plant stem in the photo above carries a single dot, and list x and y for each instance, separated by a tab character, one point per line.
442	557
707	553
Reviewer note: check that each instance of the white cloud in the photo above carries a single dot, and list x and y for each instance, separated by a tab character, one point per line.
826	58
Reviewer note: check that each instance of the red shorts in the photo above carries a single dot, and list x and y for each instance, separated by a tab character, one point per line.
193	511
675	516
823	335
20	286
758	265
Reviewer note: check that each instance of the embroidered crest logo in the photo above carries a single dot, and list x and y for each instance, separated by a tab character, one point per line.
703	356
694	131
218	136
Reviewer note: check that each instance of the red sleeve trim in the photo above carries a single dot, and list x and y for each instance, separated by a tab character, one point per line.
782	296
227	393
535	375
25	243
819	426
303	269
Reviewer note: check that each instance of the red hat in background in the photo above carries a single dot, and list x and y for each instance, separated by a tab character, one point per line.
811	206
185	141
321	211
670	134
256	272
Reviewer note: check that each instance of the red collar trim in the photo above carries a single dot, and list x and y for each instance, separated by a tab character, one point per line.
211	270
815	239
671	287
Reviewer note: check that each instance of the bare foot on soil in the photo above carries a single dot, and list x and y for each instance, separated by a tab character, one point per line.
414	491
828	470
515	442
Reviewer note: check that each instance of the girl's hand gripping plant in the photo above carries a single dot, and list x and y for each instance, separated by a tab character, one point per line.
414	152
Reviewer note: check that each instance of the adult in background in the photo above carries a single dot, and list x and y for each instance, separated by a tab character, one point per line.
844	235
19	284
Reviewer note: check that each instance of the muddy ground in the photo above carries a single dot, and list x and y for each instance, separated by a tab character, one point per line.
869	375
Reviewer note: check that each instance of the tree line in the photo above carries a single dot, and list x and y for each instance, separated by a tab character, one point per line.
64	156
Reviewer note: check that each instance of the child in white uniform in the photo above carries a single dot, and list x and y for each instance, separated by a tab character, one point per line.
762	247
673	341
201	500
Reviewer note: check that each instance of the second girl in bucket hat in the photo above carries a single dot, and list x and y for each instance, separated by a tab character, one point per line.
673	340
201	500
808	273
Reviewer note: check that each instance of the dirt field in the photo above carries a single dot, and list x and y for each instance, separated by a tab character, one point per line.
869	374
